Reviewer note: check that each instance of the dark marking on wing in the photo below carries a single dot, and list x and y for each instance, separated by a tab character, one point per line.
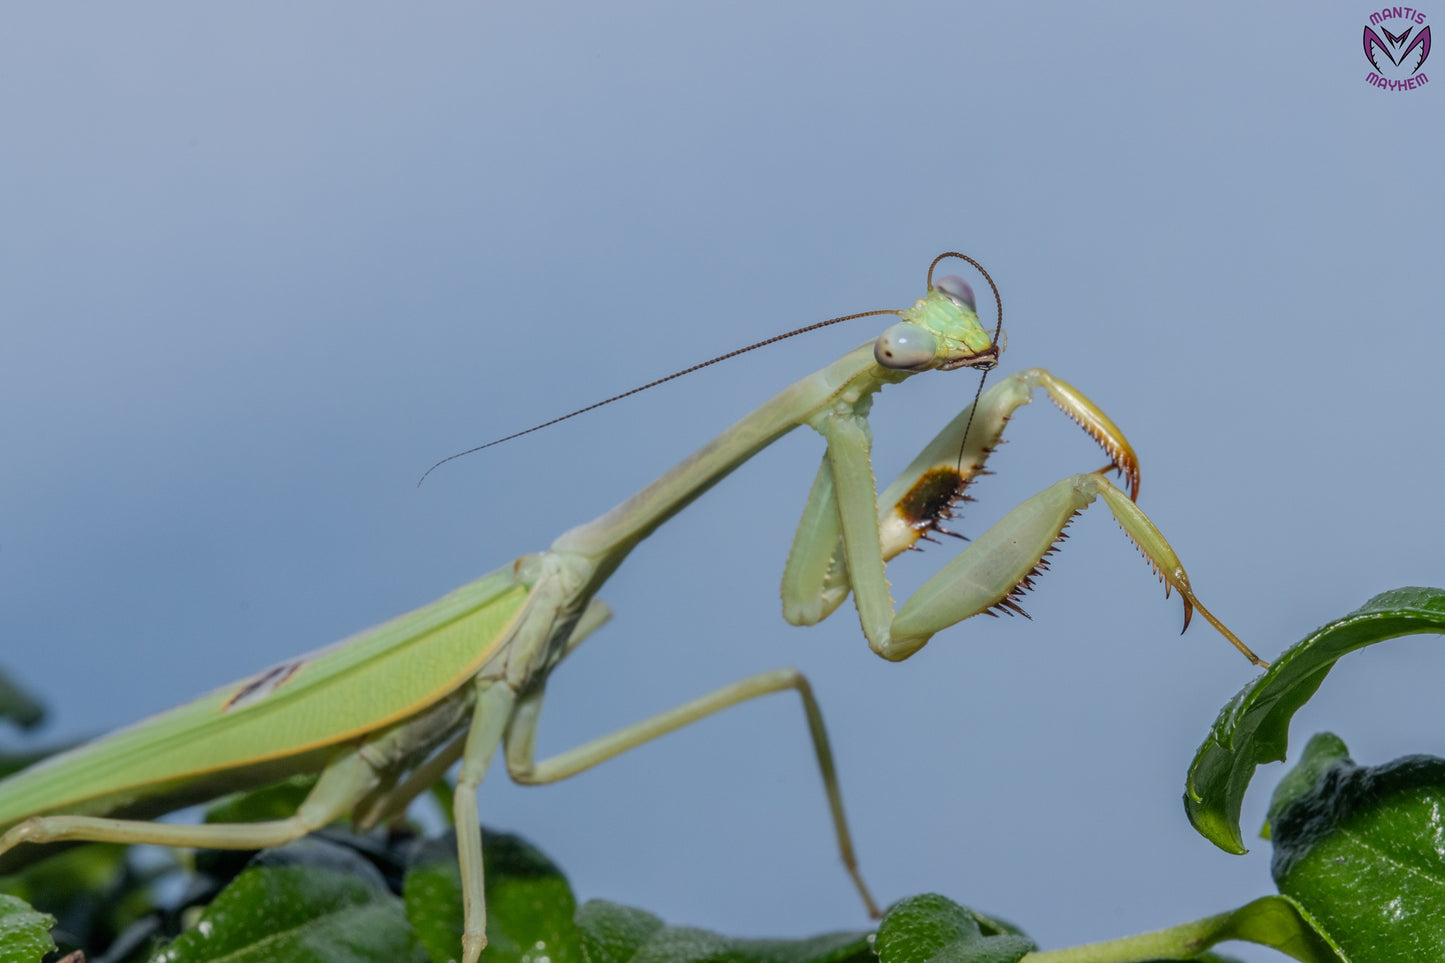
258	688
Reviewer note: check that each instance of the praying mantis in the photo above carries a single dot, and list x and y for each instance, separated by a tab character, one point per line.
384	715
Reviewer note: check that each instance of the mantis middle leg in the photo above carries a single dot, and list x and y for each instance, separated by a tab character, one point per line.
522	733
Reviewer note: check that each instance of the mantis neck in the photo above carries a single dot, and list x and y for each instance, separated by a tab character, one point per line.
605	541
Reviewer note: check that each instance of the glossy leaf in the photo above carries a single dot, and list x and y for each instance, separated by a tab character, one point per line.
934	929
89	890
530	906
620	934
612	933
1278	922
1253	728
1362	851
277	801
308	902
24	933
1273	921
1322	751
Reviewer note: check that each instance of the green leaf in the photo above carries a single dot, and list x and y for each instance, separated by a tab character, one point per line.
934	929
621	934
90	889
1275	921
1360	850
308	902
24	933
277	801
1253	728
1322	751
17	705
530	905
613	933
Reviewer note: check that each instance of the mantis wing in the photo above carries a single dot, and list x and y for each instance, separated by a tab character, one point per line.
273	723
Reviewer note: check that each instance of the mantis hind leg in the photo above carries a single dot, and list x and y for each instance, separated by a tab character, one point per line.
521	737
343	784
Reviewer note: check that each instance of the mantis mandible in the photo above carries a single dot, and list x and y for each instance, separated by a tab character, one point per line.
385	714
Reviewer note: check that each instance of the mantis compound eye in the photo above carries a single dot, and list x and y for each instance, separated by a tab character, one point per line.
905	346
959	291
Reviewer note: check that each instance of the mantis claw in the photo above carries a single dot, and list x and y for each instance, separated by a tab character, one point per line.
1098	426
1152	545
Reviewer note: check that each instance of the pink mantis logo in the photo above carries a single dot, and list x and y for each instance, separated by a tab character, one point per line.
1397	58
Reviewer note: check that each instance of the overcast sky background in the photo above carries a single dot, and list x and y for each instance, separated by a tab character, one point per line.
262	265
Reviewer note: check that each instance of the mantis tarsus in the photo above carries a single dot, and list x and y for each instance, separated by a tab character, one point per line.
383	715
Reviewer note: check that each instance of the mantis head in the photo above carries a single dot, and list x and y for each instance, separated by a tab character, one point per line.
942	329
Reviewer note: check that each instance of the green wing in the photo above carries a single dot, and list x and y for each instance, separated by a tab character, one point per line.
337	693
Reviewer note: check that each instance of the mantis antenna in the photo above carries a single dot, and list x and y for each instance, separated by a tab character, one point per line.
653	384
733	354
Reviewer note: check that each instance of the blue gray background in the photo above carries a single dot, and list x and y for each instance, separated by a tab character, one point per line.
262	265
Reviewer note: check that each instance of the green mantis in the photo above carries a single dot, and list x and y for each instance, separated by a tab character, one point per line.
383	715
